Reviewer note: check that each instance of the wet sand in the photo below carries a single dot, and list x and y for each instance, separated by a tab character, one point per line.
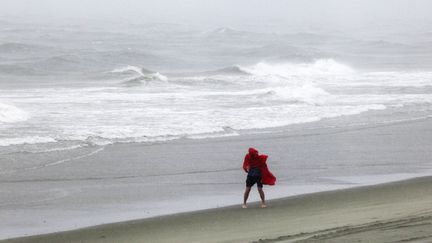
392	212
126	182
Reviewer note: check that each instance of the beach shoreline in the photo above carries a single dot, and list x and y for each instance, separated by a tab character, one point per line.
399	210
87	191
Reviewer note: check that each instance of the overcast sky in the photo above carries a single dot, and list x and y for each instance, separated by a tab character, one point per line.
227	12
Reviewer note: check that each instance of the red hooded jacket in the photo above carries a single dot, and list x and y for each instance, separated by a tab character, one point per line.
253	159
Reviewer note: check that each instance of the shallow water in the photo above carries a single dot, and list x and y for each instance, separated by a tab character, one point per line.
60	190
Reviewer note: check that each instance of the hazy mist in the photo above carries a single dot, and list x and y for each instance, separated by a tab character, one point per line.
275	15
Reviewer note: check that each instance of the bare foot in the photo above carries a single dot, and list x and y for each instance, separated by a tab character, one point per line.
263	205
244	206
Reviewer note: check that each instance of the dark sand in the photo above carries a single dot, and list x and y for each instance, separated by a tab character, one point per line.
393	212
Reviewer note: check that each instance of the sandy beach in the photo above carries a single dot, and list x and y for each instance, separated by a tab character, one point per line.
115	185
392	212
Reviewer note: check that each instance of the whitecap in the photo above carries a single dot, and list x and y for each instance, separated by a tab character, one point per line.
320	66
25	140
143	73
10	114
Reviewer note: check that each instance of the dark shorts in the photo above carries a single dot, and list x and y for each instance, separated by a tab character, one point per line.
251	180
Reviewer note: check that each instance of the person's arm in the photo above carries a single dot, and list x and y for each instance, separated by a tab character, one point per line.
246	163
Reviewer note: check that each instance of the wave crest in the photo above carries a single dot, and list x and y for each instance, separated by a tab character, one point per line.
10	114
319	67
141	75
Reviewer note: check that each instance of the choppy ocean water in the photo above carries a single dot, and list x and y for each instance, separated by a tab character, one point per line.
161	82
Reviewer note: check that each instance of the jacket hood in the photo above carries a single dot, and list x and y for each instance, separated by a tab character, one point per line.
253	152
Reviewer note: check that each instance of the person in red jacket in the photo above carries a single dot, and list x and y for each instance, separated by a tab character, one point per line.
257	172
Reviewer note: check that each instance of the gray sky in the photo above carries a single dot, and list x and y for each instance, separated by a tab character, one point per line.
227	12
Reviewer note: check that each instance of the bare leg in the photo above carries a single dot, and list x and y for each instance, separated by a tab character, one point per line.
245	197
261	192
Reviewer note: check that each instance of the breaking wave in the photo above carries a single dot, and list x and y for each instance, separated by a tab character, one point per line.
10	114
142	75
231	70
203	104
318	67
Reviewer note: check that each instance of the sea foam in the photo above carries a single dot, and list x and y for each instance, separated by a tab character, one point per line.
201	104
25	140
10	113
318	67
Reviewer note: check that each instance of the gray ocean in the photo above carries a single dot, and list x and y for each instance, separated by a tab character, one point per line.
69	92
